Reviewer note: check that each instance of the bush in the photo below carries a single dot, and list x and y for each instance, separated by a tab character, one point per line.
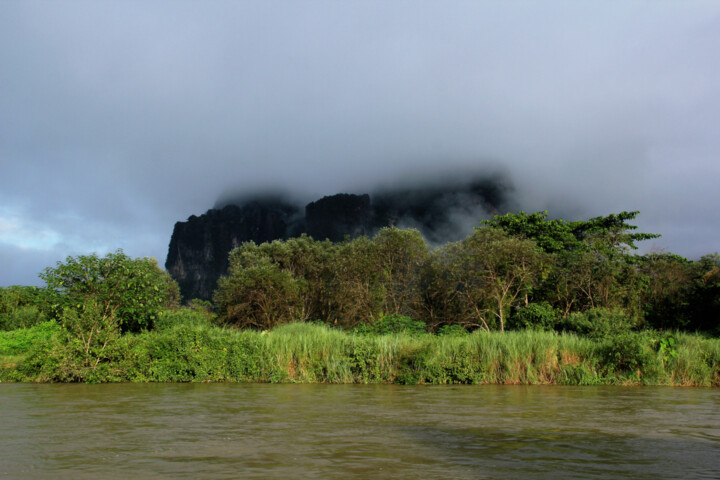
629	352
598	323
23	339
538	316
452	331
23	317
187	316
132	290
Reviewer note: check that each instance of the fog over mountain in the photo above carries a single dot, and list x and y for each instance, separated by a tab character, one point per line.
118	119
444	209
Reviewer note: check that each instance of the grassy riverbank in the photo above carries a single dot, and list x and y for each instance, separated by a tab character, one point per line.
314	353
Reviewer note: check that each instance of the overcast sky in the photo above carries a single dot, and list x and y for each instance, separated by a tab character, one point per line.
118	119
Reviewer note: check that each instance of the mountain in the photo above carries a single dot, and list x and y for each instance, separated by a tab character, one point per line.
447	211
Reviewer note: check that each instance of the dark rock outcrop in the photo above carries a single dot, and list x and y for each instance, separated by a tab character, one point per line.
198	253
447	211
338	216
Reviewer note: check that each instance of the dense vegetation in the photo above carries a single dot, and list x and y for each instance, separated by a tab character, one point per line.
523	299
518	271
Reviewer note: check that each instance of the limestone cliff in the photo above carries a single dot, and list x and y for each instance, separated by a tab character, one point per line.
338	216
447	211
199	247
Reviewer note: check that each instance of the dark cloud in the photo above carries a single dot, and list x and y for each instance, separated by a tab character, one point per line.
118	119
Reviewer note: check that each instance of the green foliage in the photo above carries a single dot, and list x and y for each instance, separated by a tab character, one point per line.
523	270
612	232
666	347
258	293
186	316
667	285
591	266
132	290
551	236
22	340
704	298
22	317
302	279
189	353
400	254
91	330
354	292
304	352
578	375
307	261
452	331
492	272
630	353
538	316
389	324
520	272
556	236
598	323
22	307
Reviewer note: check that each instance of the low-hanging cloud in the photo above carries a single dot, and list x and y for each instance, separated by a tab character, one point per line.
117	120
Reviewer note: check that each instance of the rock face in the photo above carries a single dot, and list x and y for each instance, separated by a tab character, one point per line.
199	247
198	253
338	216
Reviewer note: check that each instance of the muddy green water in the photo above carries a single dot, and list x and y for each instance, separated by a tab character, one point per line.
215	431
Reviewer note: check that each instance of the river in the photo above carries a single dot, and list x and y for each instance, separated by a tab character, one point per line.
223	431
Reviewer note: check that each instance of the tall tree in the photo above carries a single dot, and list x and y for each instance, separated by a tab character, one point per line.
493	272
555	236
401	255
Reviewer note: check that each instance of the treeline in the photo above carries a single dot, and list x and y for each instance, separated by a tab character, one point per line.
516	271
584	308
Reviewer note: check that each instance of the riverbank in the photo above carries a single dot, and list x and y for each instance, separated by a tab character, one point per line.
312	353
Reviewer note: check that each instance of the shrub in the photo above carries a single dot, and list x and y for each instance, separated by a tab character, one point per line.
23	339
598	323
188	316
452	331
22	317
629	352
538	316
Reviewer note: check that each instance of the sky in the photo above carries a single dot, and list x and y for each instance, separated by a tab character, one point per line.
118	119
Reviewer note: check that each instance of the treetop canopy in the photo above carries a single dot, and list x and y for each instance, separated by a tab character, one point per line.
557	235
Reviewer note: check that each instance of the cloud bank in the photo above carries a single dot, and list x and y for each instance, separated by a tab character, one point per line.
118	119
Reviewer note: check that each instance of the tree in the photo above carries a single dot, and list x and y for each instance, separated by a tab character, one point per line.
131	290
401	255
493	271
22	307
309	262
257	292
591	266
550	236
705	296
668	287
611	232
355	291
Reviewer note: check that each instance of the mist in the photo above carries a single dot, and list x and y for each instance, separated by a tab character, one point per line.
119	119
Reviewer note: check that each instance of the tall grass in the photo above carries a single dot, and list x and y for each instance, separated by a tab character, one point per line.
311	353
